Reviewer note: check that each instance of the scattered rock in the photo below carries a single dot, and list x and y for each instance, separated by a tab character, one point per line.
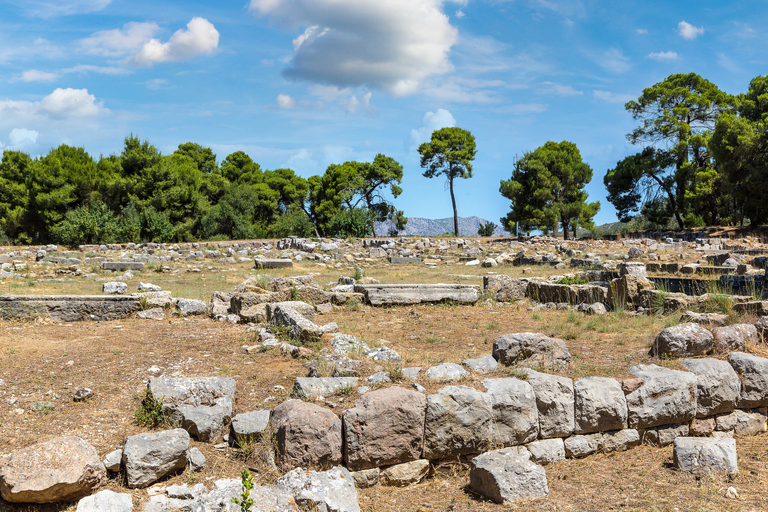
332	490
82	394
599	405
307	434
547	451
191	307
195	460
149	457
705	455
106	501
507	475
248	427
447	372
532	349
406	473
483	364
114	288
683	340
151	314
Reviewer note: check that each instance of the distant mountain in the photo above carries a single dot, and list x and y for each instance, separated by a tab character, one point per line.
416	226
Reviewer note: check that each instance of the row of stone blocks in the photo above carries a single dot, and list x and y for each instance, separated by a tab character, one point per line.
552	416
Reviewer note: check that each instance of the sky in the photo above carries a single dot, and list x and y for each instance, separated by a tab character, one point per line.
306	83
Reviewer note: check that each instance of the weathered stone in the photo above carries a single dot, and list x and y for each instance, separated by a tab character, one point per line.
621	440
596	308
599	405
148	287
191	307
114	288
366	477
530	348
753	373
313	387
301	328
332	490
383	355
62	469
734	337
68	308
507	475
547	451
304	309
663	436
82	394
552	292
515	416
554	400
106	501
277	284
202	405
702	426
307	434
627	290
713	319
163	299
122	266
748	423
267	263
346	343
267	498
459	420
446	372
220	303
151	314
581	446
718	386
683	340
483	364
113	460
762	329
705	455
406	473
634	268
195	460
149	457
248	427
385	427
383	294
512	290
665	398
493	283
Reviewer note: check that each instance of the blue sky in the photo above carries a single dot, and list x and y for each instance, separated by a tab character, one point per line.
306	83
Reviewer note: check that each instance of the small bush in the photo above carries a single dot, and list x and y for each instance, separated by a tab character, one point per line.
151	412
570	280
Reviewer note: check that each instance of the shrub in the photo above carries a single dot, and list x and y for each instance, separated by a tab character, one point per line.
151	412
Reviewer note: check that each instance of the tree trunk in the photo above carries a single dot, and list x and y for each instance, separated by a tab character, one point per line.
715	209
455	212
564	222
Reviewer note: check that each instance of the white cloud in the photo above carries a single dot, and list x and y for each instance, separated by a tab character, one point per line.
285	102
156	83
613	61
663	56
344	98
432	121
558	89
612	97
523	109
48	9
688	31
120	42
392	45
200	37
35	75
101	70
21	138
641	31
66	103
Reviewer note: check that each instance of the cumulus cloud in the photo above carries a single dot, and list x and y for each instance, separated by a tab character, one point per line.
22	138
120	42
688	31
557	89
432	121
35	75
612	97
392	45
663	56
285	102
200	37
60	104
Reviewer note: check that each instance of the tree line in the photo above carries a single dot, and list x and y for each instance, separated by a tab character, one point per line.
139	195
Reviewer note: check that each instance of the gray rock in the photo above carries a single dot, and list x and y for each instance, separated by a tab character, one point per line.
512	290
112	460
636	268
597	308
683	340
663	436
753	373
459	420
106	501
82	394
507	475
195	460
734	337
411	373
149	457
301	327
337	365
184	492
554	400
383	294
666	397
483	364
270	498
515	415
379	378
148	287
313	387
151	314
191	307
446	372
621	440
366	477
599	405
530	348
705	455
62	469
248	427
718	386
715	319
346	343
202	405
115	288
406	473
547	451
383	355
386	426
331	491
307	434
581	446
749	423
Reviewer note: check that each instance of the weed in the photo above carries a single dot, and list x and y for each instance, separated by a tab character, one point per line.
570	280
354	304
245	501
433	339
535	316
358	275
346	391
517	373
151	413
493	325
144	303
294	293
395	374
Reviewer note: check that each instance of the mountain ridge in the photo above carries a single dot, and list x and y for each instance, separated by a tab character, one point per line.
418	226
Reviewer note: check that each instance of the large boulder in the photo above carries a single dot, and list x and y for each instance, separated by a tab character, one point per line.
705	455
627	290
753	373
734	337
106	501
331	491
683	340
385	427
530	348
718	386
554	400
512	290
666	397
515	416
599	405
301	328
62	469
202	405
459	420
248	427
151	456
307	434
507	475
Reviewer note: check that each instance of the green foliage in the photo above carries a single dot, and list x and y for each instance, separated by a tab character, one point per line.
450	152
547	188
151	412
486	229
245	501
570	280
87	224
355	222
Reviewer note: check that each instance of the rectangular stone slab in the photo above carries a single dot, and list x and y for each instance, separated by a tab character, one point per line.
272	263
383	294
121	266
68	308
